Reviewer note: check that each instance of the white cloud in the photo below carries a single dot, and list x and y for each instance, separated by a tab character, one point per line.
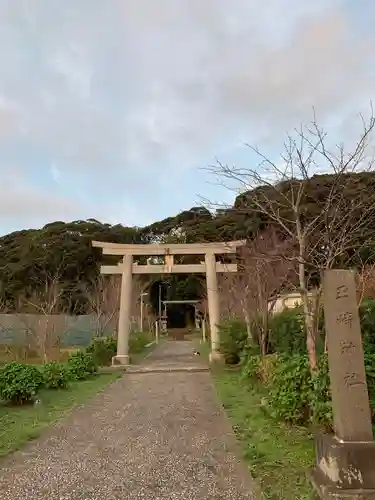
55	173
19	197
124	92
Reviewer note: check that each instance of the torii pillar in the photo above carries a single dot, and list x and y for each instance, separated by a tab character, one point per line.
122	356
213	305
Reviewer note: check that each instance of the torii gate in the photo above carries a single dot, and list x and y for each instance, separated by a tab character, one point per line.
127	268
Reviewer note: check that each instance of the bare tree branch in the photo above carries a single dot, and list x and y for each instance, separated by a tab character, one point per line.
324	232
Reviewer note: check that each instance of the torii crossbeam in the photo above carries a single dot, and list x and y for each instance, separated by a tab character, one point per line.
128	267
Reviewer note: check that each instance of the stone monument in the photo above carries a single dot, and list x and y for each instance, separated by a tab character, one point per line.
345	465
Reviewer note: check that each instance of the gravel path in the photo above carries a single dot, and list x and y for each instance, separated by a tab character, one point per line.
147	436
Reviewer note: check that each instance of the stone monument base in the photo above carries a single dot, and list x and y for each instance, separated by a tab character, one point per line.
121	359
216	357
344	470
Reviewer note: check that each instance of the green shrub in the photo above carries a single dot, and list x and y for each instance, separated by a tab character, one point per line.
287	331
367	317
81	365
233	340
250	349
290	389
103	349
19	383
370	376
321	404
256	328
266	368
137	342
370	372
250	368
296	396
55	376
288	335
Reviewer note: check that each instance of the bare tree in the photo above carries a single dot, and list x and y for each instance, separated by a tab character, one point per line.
231	302
7	331
263	274
103	296
268	275
42	315
139	287
325	233
366	282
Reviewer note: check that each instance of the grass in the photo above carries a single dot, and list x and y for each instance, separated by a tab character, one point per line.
203	347
19	425
278	456
23	354
139	356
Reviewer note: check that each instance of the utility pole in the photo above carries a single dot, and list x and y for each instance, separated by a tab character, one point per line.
141	322
159	301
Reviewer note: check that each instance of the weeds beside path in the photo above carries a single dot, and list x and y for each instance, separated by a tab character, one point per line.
278	456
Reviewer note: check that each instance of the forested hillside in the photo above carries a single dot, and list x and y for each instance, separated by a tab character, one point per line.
28	257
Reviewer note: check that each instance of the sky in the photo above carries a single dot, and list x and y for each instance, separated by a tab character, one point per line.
112	109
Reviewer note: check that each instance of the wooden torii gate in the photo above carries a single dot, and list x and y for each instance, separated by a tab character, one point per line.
210	267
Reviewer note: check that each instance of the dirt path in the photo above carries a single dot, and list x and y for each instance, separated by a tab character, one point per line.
147	436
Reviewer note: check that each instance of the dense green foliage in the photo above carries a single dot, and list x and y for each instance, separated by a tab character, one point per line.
29	256
367	317
19	383
55	376
293	394
287	331
103	350
292	391
137	342
286	335
233	338
81	365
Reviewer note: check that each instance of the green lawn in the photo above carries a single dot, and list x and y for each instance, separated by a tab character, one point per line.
21	424
278	456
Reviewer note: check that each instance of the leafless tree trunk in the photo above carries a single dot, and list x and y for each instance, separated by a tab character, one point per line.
251	293
268	275
6	328
328	234
140	285
366	282
103	296
42	315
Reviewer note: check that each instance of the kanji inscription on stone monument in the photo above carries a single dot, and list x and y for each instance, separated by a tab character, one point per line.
350	401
